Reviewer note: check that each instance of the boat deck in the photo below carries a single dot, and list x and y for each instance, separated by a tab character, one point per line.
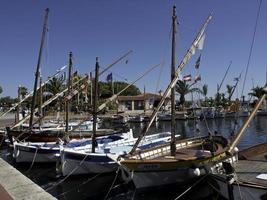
248	170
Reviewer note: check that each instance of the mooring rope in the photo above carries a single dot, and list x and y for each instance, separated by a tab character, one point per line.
188	189
34	157
83	183
72	171
117	172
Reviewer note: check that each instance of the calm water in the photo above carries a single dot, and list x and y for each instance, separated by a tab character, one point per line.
98	186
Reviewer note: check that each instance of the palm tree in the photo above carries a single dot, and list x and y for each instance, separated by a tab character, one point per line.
183	89
257	92
229	90
54	86
23	91
204	90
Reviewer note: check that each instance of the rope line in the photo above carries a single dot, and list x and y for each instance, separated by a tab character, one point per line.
251	47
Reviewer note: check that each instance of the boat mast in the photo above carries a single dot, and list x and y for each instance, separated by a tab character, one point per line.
67	106
95	105
171	85
40	110
115	96
37	73
173	125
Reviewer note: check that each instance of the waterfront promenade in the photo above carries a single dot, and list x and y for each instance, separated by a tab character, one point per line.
14	185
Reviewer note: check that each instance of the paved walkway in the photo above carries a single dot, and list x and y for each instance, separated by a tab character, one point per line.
14	185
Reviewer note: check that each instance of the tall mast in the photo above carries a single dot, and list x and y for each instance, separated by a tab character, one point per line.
95	105
40	110
67	107
37	73
173	126
171	85
18	107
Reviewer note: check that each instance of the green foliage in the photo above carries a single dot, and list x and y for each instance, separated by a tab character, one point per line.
1	90
106	90
23	91
183	89
229	90
55	85
7	101
257	92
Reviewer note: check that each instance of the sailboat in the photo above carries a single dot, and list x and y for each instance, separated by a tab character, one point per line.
177	162
102	159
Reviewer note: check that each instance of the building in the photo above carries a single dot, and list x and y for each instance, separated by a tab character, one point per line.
139	103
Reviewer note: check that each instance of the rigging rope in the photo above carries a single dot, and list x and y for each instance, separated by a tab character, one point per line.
251	47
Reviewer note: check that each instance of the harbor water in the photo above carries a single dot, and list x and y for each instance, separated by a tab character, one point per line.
110	186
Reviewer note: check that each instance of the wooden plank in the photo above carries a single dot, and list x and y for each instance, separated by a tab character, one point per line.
248	170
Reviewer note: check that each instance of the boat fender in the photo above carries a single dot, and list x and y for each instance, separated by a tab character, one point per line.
236	150
193	172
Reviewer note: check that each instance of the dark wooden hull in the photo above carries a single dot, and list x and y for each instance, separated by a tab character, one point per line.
256	152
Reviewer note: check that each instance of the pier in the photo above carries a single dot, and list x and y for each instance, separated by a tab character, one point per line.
14	185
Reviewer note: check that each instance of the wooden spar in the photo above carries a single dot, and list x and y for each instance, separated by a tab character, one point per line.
185	59
30	94
76	92
112	64
67	107
218	89
95	105
49	101
113	97
37	73
173	125
245	125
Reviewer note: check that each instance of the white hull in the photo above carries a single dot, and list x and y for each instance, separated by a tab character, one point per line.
70	164
34	154
82	161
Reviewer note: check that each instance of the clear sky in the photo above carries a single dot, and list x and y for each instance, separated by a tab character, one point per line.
109	28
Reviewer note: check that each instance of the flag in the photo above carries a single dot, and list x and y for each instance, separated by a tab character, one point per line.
197	78
109	77
187	77
201	42
198	62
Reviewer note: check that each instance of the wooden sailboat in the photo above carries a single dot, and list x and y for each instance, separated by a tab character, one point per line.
247	177
52	134
178	162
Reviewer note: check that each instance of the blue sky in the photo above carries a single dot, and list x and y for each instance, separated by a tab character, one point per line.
108	29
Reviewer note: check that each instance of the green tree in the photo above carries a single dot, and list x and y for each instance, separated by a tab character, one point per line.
55	85
106	89
229	90
1	90
257	92
183	89
23	91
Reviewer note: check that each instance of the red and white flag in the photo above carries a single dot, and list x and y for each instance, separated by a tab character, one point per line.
187	77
